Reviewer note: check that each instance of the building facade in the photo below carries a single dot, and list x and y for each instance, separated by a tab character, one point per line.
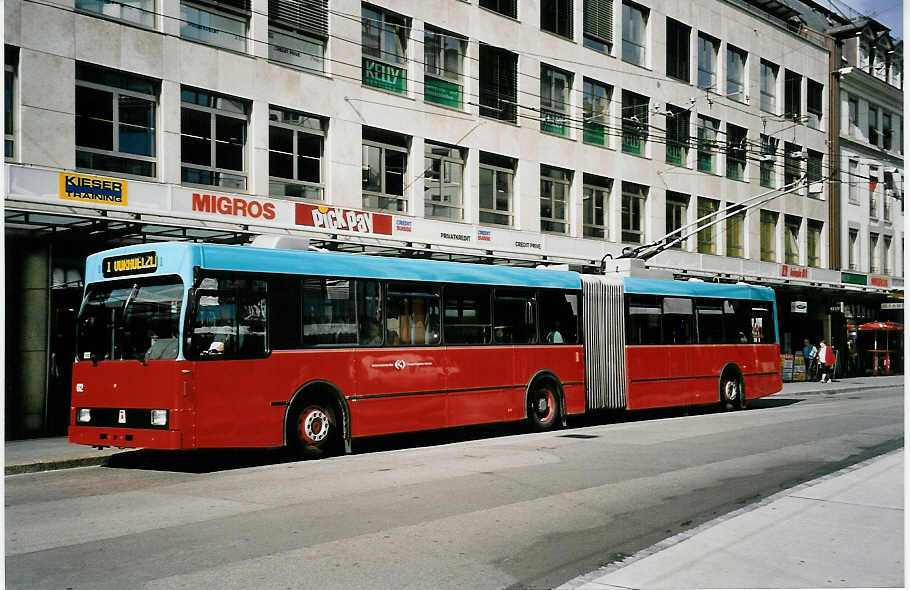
501	131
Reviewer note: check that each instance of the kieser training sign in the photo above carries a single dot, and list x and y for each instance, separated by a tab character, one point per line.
93	189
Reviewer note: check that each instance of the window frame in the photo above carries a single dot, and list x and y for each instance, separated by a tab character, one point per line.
400	200
634	46
707	237
736	223
678	50
793	87
10	111
679	135
677	209
102	8
115	93
596	188
496	170
296	129
735	152
554	111
213	114
558	6
596	121
792	228
814	229
548	178
441	74
707	143
221	11
633	217
768	221
768	168
707	62
768	73
635	126
458	160
737	84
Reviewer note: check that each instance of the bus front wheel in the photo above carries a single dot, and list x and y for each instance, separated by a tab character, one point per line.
543	406
314	429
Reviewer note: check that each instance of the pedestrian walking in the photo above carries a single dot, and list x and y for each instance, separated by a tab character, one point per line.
810	354
825	361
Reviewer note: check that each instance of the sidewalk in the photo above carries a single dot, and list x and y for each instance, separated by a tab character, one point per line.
843	530
45	454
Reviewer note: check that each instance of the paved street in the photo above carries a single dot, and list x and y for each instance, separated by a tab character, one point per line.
505	511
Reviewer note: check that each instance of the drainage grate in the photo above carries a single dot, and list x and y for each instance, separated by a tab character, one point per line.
578	436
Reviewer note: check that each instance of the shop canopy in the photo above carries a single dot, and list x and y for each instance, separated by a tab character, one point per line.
881	326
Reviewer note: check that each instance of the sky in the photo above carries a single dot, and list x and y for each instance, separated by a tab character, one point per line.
888	12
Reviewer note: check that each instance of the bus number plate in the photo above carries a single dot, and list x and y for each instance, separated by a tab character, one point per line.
121	417
129	264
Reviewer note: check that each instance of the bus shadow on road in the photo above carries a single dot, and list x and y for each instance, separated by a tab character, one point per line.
214	460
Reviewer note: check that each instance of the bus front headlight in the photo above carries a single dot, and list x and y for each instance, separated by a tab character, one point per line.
84	415
159	417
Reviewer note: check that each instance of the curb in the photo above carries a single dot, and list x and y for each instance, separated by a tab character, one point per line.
852	389
55	464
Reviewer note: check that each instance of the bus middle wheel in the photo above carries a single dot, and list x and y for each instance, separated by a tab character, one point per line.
543	407
732	394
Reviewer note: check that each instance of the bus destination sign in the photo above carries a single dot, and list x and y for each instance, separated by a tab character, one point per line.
129	264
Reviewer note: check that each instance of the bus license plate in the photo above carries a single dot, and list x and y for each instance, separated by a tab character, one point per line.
121	417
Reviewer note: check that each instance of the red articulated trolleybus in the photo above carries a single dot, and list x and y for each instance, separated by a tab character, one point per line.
187	346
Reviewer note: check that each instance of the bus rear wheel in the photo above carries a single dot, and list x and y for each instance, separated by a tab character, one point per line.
733	397
313	430
543	406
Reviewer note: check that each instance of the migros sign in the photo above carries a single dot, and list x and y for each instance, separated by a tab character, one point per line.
234	206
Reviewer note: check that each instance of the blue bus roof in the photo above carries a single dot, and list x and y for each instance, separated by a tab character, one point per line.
696	289
181	257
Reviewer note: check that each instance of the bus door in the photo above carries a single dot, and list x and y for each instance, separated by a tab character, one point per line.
233	383
401	374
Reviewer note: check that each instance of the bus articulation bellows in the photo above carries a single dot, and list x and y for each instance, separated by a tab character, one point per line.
187	346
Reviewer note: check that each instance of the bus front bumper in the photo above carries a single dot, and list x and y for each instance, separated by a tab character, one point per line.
126	437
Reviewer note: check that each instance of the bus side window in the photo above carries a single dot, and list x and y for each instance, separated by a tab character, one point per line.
328	311
369	313
558	317
252	319
709	317
737	319
677	320
412	314
467	318
284	313
643	320
514	317
762	323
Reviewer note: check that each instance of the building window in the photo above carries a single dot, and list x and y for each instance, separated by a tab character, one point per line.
767	177
736	221
792	167
768	87
678	50
633	207
596	107
886	131
792	95
886	255
498	83
497	174
443	57
736	152
9	119
634	33
596	205
298	32
213	139
853	117
295	154
814	243
677	218
814	98
852	251
556	17
707	62
385	164
736	68
707	238
222	23
443	182
507	8
554	199
814	169
140	12
873	184
115	121
555	86
791	239
768	236
677	135
873	126
875	261
853	182
634	122
707	142
384	36
598	25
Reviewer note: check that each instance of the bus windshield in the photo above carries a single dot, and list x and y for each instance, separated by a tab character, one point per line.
130	319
